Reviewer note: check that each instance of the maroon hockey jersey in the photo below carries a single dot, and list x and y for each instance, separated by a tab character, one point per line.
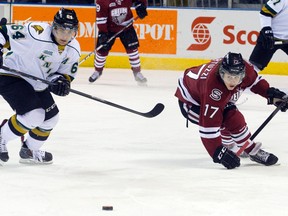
113	15
202	86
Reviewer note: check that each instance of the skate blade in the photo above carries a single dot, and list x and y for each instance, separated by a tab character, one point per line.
34	162
142	84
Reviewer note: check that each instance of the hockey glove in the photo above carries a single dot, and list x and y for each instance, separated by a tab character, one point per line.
226	157
141	10
61	86
3	21
103	38
1	55
276	97
266	37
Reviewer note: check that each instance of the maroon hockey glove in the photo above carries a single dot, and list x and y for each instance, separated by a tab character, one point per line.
226	157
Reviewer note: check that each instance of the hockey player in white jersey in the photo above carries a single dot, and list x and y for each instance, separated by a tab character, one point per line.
46	51
273	34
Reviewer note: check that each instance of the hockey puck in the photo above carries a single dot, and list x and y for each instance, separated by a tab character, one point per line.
107	208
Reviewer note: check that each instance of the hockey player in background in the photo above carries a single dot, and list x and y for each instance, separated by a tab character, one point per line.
207	96
112	17
46	51
273	35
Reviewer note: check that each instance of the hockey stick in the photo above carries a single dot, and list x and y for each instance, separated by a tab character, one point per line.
110	39
276	110
158	108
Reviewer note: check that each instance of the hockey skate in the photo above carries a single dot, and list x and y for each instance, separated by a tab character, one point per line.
262	156
140	79
28	156
4	157
94	76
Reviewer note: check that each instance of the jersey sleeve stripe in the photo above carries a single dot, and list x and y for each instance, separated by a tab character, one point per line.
185	93
101	20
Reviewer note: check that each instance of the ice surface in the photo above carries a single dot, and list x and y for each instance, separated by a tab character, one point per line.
141	166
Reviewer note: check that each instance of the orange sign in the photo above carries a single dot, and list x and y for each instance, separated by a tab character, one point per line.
86	17
157	33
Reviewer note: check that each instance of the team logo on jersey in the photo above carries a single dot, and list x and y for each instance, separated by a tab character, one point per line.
48	52
97	8
119	15
216	94
236	95
38	29
113	4
119	2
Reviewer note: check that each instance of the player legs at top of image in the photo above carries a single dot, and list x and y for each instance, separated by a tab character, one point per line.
36	112
109	23
207	95
273	35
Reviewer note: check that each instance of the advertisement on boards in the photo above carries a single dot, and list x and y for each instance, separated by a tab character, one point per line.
157	33
212	33
86	17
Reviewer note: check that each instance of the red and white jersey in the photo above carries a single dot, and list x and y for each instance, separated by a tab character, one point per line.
202	86
113	15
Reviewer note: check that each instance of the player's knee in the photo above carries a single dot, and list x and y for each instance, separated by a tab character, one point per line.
234	120
50	123
33	118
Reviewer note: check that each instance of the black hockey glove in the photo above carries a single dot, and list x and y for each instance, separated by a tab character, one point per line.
1	55
103	38
266	37
61	86
141	10
276	97
3	21
226	157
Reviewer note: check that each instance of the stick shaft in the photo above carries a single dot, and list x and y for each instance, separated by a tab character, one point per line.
154	112
268	119
110	39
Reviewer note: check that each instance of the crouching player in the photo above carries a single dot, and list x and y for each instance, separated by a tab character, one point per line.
207	96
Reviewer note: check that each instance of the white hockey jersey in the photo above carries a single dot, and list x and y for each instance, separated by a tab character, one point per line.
275	14
33	52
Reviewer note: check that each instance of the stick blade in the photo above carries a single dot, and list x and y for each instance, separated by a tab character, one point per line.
155	111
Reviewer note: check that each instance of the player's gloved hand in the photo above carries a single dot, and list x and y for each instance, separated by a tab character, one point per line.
276	97
141	10
226	157
61	86
3	21
1	55
103	38
267	37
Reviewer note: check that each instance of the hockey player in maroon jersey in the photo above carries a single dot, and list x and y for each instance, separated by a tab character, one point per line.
207	96
112	17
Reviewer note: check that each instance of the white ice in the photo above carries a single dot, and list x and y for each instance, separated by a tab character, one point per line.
141	166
